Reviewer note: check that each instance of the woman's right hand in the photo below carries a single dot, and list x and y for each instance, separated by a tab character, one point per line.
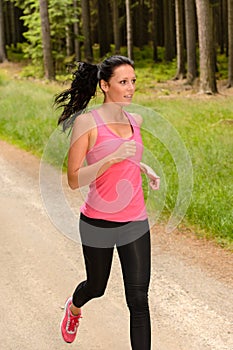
126	150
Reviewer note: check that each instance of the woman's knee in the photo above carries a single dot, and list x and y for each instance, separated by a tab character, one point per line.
96	292
86	291
138	301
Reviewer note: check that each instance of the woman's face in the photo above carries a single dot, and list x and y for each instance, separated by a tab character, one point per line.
121	86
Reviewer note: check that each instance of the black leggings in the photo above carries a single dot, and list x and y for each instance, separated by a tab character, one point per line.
135	263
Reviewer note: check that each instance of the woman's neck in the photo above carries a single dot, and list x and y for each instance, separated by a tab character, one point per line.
112	112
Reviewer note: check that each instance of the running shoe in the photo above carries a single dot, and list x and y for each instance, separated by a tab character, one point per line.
69	323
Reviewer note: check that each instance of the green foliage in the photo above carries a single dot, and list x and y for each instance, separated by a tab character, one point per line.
15	53
31	17
61	15
222	66
32	71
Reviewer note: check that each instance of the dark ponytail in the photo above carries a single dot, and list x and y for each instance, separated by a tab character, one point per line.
75	99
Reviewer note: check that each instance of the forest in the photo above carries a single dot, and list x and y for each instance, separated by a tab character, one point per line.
51	34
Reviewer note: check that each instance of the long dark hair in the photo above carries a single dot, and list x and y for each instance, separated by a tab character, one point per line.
74	100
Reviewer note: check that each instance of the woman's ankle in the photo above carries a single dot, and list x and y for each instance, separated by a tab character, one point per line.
75	310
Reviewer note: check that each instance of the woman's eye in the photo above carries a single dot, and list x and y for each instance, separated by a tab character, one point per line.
123	82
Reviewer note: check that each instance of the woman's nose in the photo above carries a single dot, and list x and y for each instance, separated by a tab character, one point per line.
131	86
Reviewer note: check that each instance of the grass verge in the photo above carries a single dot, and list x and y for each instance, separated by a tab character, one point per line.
204	125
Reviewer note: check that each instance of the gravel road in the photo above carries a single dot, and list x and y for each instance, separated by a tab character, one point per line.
191	291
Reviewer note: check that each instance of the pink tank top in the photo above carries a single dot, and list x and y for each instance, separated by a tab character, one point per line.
117	194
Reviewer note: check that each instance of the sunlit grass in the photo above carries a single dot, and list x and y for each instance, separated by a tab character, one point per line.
27	119
205	128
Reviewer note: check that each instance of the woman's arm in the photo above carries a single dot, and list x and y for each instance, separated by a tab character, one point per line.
79	175
153	177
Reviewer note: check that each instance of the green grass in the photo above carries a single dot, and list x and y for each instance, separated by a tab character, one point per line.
209	142
27	119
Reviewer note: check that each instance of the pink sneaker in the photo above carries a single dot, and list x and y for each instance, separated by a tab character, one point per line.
69	323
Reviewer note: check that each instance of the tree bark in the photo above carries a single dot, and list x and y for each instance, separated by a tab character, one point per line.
87	31
221	29
103	27
225	24
76	32
46	41
169	30
180	39
154	19
190	25
230	43
12	22
138	25
214	7
116	27
129	29
3	55
207	64
69	42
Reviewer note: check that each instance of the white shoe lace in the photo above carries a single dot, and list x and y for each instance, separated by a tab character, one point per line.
72	323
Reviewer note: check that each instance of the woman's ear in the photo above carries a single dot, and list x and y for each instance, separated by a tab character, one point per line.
103	85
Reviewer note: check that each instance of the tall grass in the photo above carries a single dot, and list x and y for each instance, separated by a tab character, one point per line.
27	119
207	130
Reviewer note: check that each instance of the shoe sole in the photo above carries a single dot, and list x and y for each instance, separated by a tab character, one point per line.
65	308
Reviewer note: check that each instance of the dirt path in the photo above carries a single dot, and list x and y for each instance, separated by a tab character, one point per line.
191	292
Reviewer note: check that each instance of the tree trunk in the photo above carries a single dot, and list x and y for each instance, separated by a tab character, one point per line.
12	22
225	24
180	39
76	32
3	56
214	7
103	27
69	42
6	21
87	31
160	28
18	25
230	43
154	19
46	41
221	29
169	30
116	27
129	29
190	25
207	64
138	24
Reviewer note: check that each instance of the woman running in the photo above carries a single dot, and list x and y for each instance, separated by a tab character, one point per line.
114	214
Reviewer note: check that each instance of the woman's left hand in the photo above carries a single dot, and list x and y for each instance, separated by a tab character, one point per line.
154	179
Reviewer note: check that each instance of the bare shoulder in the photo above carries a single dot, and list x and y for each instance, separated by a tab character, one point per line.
82	128
83	123
84	119
138	118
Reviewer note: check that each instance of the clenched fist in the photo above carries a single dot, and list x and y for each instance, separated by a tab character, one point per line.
126	150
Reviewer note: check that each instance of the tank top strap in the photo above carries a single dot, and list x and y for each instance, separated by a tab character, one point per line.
131	119
97	117
99	121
